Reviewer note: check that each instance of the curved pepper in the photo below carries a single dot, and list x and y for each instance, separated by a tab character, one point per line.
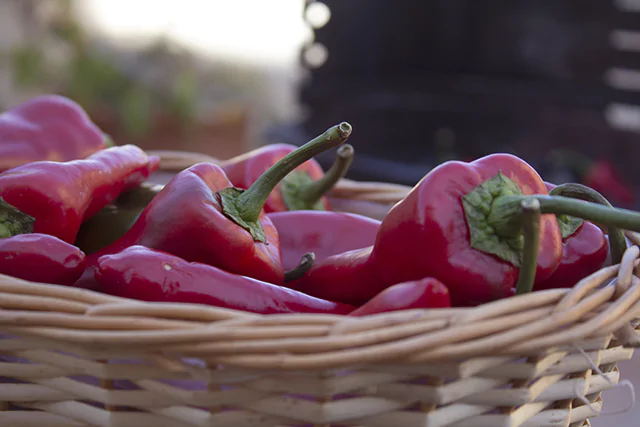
324	233
47	127
41	258
60	196
441	229
200	217
424	293
584	251
302	189
149	275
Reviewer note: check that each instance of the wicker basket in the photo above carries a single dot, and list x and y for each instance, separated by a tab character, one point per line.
70	357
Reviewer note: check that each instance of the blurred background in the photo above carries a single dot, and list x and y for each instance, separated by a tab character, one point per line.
193	75
422	82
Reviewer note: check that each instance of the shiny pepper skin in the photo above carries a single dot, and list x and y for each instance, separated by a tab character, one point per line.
47	127
418	294
149	275
60	196
325	233
41	258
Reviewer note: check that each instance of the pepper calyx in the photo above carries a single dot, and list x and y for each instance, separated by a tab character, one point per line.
300	192
568	225
507	242
228	198
13	221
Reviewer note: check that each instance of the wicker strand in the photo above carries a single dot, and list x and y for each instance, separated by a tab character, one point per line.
622	384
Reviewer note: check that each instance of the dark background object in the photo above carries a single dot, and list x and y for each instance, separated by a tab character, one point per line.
422	81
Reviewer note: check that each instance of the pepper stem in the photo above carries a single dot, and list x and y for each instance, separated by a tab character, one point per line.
531	226
617	241
13	221
306	262
307	195
506	212
244	206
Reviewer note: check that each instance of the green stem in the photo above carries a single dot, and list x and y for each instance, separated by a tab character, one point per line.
13	221
314	191
531	226
306	262
506	213
617	240
250	202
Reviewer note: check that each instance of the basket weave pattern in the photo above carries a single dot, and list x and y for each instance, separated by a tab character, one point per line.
70	357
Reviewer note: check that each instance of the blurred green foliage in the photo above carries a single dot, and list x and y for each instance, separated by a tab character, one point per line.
98	83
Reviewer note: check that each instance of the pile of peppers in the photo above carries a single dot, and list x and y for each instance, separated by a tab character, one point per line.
258	233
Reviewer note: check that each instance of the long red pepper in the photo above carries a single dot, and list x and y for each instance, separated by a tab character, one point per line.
302	189
60	196
424	293
47	127
201	217
41	258
324	233
150	275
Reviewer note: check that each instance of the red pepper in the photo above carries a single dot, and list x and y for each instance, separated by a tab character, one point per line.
424	293
322	233
603	177
47	127
302	189
41	258
60	196
200	217
443	229
599	175
150	275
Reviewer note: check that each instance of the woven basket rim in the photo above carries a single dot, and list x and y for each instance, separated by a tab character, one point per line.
84	321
